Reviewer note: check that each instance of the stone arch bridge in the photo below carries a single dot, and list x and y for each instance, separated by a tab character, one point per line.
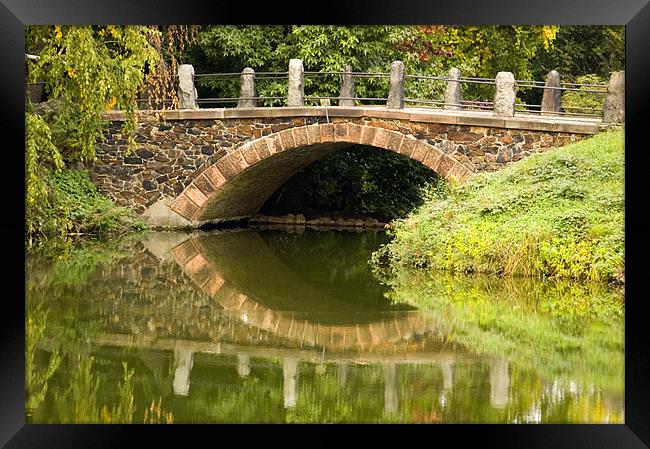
190	167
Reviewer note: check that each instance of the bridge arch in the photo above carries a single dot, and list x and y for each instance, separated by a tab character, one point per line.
238	184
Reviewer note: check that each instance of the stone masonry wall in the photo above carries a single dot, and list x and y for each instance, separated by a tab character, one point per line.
169	155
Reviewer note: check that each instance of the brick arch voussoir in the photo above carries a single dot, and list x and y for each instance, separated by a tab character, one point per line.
194	198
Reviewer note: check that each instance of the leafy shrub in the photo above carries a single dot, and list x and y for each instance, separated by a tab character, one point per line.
584	102
76	207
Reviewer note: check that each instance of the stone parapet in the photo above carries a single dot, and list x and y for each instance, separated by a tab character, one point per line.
201	169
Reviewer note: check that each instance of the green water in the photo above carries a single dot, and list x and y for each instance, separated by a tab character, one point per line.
278	327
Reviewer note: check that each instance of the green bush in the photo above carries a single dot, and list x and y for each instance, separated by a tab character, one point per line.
555	214
75	207
584	102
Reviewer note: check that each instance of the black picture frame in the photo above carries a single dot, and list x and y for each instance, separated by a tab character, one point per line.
634	14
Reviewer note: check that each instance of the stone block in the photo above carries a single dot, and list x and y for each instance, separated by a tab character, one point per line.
463	136
346	93
408	145
287	139
382	138
354	133
458	172
419	149
204	184
215	176
238	160
187	94
273	145
185	207
250	155
300	136
313	134
367	135
432	158
227	169
326	133
195	194
341	132
552	96
614	105
445	166
395	141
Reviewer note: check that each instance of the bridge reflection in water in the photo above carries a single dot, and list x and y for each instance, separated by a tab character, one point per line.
275	327
293	321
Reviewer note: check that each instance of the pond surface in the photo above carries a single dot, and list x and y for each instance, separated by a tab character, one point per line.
278	327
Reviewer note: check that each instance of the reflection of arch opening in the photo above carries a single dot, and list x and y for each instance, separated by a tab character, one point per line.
206	262
240	183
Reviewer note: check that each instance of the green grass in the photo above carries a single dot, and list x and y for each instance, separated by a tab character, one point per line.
554	214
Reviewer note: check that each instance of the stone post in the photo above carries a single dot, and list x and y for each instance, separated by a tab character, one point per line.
614	106
447	374
290	373
346	94
296	93
342	371
183	363
186	91
243	365
504	96
396	91
453	96
247	91
499	382
391	397
552	98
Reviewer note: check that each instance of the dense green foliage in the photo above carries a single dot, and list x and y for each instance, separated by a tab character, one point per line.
581	54
90	70
580	50
558	214
577	101
75	207
355	180
87	70
425	50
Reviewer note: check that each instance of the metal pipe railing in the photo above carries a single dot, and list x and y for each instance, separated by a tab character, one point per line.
247	96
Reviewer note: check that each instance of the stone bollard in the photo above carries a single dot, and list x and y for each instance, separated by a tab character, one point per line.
504	96
247	91
552	98
453	97
346	94
614	106
296	93
186	91
290	374
396	91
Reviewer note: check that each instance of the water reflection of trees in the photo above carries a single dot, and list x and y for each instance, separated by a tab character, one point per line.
545	353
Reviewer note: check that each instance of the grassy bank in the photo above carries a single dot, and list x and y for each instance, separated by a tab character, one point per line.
73	208
555	214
